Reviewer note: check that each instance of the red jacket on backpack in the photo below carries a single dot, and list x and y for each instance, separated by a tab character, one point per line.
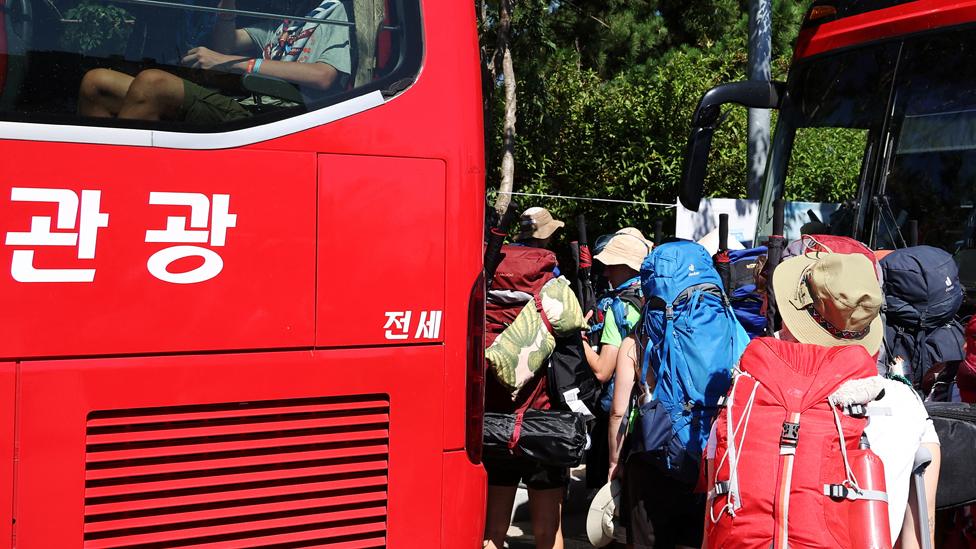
772	477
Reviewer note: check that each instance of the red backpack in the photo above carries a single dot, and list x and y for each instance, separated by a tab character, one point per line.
795	475
833	245
521	273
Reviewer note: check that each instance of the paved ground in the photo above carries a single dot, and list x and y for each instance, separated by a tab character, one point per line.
574	517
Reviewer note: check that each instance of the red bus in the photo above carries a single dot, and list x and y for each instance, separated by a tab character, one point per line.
893	79
262	331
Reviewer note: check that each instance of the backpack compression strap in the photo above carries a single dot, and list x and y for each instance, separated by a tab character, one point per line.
781	504
542	313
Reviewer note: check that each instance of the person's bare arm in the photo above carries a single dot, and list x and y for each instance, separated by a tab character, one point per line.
307	75
601	363
624	378
910	537
226	37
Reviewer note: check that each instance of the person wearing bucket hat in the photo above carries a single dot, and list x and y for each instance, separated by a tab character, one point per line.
621	254
536	227
834	300
830	300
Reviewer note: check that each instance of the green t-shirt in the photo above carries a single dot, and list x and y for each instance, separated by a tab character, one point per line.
612	336
319	43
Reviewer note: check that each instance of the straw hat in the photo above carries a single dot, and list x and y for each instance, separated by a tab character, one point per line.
830	300
600	518
538	223
626	247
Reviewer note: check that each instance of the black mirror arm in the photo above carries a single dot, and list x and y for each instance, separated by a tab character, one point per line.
707	117
749	94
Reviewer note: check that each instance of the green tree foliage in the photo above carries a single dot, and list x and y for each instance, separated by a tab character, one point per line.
101	29
606	93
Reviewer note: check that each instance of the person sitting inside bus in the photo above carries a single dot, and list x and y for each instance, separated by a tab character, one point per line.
322	52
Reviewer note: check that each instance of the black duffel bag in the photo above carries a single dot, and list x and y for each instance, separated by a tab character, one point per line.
955	422
551	437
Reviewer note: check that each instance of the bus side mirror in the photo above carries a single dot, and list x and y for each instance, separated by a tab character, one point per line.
750	94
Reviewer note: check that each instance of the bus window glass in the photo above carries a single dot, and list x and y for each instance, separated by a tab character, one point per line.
932	174
200	65
821	145
826	164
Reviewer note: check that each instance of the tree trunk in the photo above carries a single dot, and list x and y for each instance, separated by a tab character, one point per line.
508	139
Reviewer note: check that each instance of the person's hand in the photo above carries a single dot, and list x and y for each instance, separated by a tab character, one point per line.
586	320
205	58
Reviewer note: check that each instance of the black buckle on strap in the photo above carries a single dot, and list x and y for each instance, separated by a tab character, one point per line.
838	491
857	410
721	488
790	435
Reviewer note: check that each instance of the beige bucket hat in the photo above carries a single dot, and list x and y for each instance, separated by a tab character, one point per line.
601	519
537	222
830	300
626	247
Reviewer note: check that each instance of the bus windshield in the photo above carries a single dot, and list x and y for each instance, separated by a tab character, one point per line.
908	112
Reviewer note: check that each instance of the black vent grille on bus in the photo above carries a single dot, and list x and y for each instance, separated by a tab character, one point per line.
287	473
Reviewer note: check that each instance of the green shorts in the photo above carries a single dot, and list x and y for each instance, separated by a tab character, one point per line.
205	106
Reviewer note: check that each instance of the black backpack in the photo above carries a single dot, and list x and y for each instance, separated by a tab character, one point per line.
922	295
568	371
955	422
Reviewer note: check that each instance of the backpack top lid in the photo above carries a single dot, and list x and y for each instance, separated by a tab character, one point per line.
922	288
800	375
524	269
830	244
673	267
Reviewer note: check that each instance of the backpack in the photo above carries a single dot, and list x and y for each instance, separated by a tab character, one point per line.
785	457
744	295
922	296
617	299
955	422
520	276
831	244
692	342
628	293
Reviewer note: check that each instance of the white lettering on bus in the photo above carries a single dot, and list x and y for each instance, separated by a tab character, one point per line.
219	219
89	221
429	326
397	324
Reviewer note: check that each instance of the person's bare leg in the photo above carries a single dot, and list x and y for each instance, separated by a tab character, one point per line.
498	516
546	507
101	92
153	95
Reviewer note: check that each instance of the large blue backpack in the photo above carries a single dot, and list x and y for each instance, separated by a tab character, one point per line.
692	341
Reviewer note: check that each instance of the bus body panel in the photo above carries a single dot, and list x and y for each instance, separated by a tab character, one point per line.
383	219
902	19
230	446
261	296
463	517
8	391
426	144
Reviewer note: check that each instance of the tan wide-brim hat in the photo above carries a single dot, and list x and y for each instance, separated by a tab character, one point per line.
830	299
538	223
600	519
627	247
